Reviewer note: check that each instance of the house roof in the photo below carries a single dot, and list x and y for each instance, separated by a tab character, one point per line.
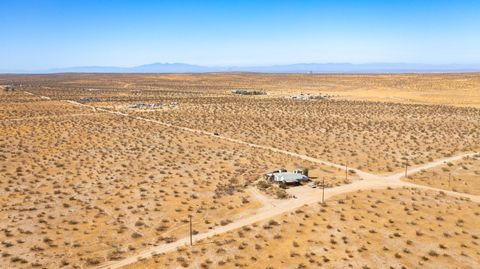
288	177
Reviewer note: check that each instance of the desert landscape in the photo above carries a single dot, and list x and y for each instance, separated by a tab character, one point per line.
119	170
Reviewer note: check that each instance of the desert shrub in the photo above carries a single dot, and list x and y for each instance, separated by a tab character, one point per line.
273	223
263	185
282	194
136	235
93	260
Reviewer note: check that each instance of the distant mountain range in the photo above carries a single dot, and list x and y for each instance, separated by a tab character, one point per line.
324	68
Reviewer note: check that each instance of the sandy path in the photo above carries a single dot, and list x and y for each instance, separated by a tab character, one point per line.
470	197
416	169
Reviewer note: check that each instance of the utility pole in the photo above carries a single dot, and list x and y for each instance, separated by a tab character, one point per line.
323	191
346	171
406	167
346	154
191	241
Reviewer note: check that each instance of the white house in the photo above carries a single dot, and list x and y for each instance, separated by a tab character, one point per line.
286	177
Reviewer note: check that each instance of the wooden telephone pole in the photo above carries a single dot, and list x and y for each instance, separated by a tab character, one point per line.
406	167
323	191
346	154
191	241
346	171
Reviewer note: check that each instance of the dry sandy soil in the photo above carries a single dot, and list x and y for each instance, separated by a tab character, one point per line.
81	185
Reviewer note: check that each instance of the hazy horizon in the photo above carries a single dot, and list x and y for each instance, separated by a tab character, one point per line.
289	68
41	35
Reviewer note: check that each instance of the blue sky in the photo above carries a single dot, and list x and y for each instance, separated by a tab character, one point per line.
44	34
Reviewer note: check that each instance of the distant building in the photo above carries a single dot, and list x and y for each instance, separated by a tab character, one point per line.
248	92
